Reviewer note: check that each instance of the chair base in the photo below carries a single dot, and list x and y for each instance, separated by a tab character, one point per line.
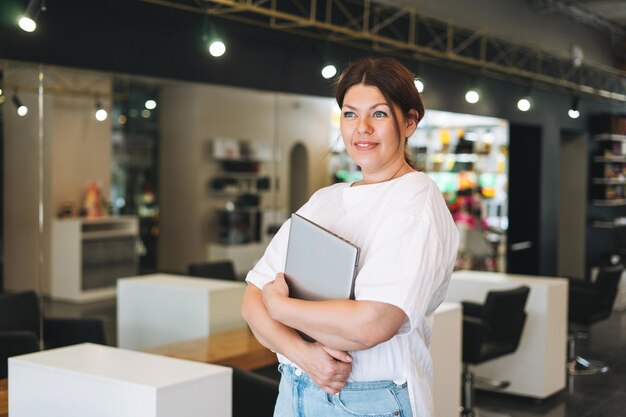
479	412
470	382
489	383
582	366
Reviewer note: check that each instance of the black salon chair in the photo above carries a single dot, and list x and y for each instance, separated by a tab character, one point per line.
14	343
254	395
218	270
490	330
589	303
20	325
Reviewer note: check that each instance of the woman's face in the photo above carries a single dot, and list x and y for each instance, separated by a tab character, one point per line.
369	130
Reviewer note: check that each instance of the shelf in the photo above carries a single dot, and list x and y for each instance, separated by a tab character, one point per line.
241	209
609	224
609	181
610	203
108	234
610	137
241	175
237	193
609	159
457	157
252	160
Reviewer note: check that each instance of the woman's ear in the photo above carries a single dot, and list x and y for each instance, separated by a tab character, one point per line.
411	122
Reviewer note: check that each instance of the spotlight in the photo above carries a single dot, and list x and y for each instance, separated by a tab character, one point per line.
28	21
217	48
329	71
524	104
0	91
27	24
22	110
573	110
419	85
151	104
101	113
472	96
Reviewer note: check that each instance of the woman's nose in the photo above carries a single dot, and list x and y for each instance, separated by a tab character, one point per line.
364	126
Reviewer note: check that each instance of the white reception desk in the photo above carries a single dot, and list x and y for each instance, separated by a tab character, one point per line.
537	368
101	381
159	309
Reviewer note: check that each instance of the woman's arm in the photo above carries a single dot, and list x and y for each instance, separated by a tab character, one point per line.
328	368
340	324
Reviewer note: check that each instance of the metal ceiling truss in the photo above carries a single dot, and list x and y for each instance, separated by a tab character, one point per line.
404	33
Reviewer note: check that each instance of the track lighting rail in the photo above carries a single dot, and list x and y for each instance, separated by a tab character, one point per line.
406	34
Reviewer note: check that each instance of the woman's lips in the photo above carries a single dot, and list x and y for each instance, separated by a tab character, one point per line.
365	146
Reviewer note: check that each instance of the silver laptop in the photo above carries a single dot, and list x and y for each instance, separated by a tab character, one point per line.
320	265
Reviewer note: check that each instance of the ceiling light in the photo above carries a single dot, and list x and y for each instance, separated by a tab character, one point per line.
28	21
472	96
573	110
524	104
217	48
22	110
101	113
27	24
329	71
574	114
419	85
150	104
0	91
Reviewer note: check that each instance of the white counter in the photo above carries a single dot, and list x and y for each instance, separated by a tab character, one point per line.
101	381
537	368
445	349
155	310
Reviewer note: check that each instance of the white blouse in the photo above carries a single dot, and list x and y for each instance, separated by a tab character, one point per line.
408	244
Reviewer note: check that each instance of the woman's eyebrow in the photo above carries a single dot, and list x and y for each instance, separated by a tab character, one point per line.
371	107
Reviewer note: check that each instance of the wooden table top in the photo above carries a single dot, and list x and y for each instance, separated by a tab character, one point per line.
238	348
4	397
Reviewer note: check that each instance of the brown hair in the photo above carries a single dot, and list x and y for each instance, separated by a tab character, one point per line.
394	81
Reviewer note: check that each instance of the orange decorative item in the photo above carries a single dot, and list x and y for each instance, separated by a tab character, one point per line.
93	201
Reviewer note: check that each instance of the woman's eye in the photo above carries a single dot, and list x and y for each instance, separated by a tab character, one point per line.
379	113
348	114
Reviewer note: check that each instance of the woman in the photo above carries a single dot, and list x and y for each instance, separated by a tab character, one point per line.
371	355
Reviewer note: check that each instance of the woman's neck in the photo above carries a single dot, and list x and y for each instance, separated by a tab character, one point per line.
393	172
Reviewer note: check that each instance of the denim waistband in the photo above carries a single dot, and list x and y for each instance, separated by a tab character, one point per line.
298	374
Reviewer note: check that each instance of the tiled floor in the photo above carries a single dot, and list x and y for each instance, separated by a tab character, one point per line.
586	396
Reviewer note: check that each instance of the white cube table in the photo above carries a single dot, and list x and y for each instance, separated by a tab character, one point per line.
101	381
537	368
155	310
445	350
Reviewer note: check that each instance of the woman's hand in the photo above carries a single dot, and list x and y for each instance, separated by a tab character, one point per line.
274	291
328	368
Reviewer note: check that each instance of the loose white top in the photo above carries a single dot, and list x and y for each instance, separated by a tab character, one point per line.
408	244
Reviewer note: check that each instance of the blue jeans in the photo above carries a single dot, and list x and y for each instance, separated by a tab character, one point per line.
299	397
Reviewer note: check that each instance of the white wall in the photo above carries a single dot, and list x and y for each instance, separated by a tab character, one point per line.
76	149
515	21
193	114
